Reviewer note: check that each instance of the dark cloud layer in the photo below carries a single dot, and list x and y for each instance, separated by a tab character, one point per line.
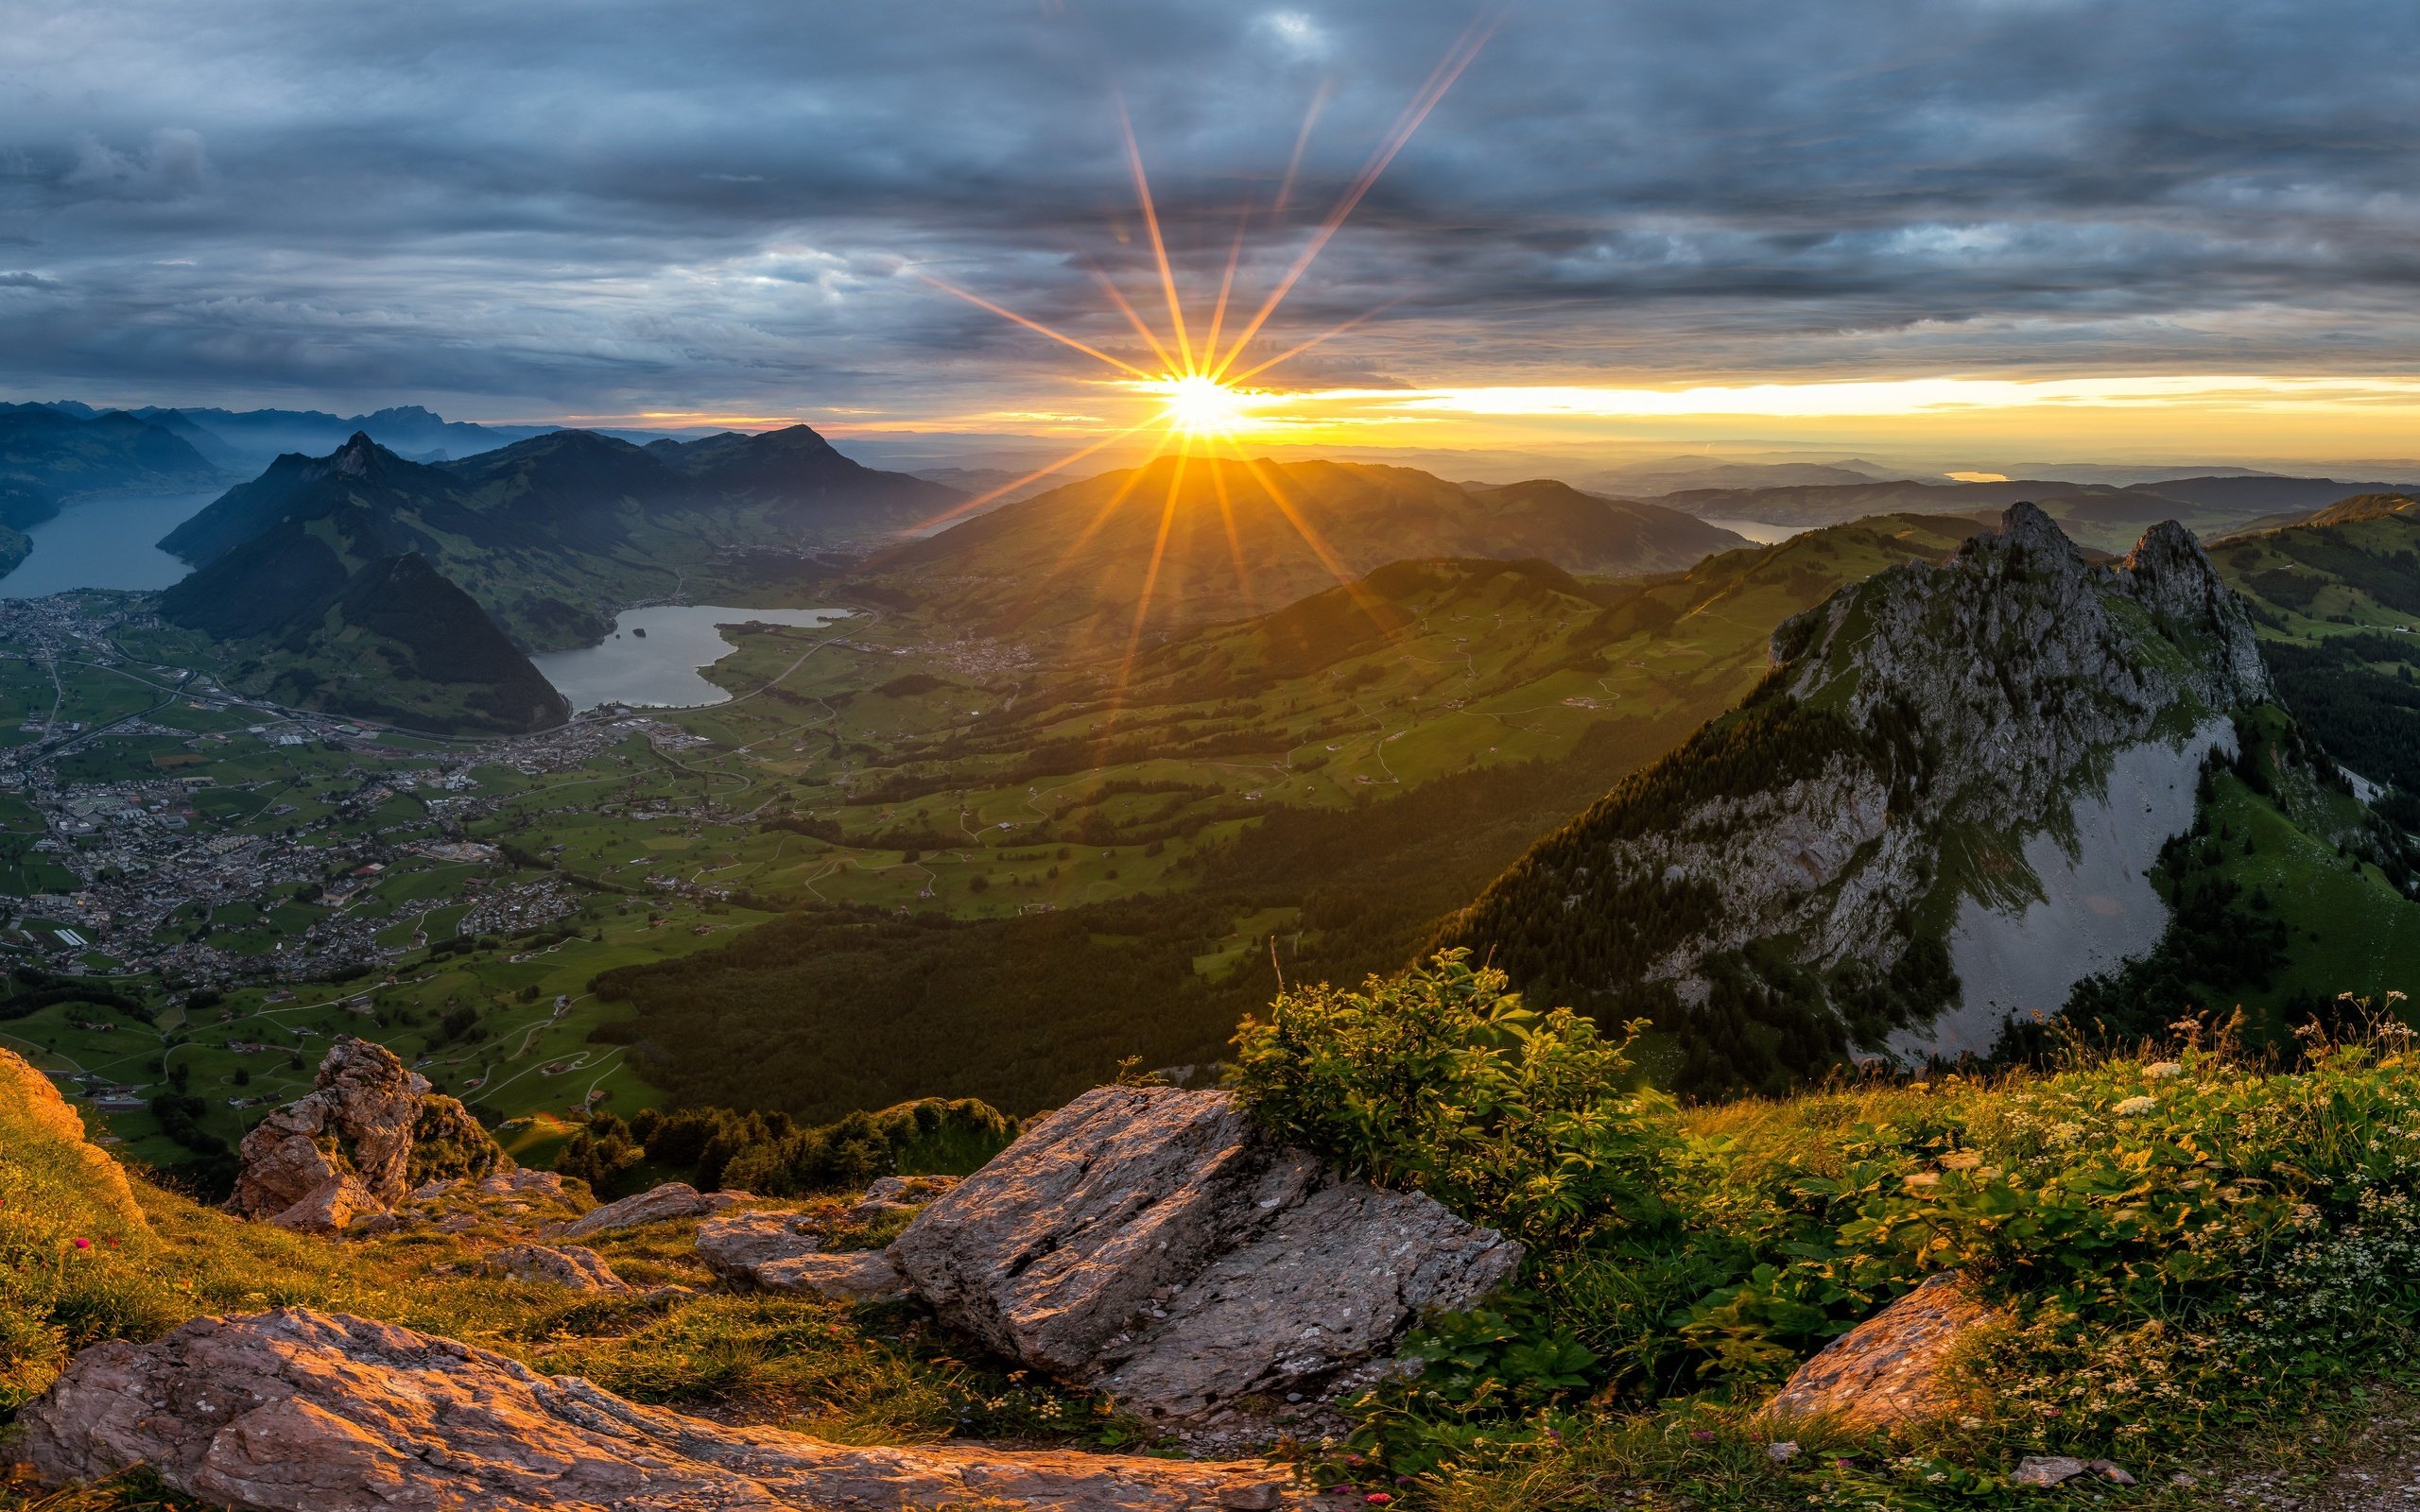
602	207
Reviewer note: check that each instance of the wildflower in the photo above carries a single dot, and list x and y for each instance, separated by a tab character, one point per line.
1701	1435
2135	1107
2162	1069
1377	1499
81	1243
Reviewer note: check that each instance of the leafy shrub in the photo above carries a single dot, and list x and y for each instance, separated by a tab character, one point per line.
1441	1081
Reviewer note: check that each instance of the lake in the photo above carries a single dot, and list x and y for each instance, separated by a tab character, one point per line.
1763	532
660	668
105	542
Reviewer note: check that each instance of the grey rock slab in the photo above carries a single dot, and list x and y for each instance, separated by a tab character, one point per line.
848	1276
2043	1470
1332	1283
1151	1242
1892	1369
1054	1246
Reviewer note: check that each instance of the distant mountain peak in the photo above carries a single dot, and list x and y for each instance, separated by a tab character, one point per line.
358	456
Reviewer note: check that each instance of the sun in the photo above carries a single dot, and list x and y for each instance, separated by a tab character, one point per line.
1198	405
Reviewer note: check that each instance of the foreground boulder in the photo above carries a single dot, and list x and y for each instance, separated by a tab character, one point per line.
662	1204
369	1130
1153	1243
784	1252
296	1411
735	1244
1893	1370
571	1267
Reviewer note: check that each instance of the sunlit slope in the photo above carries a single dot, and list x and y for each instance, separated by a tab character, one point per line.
1419	670
1180	542
1338	778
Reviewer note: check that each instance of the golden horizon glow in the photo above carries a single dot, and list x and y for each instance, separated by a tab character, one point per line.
2230	417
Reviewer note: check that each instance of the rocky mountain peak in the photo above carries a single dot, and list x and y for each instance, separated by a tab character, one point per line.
356	457
1809	858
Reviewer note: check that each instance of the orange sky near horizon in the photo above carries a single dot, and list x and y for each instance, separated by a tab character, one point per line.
2221	419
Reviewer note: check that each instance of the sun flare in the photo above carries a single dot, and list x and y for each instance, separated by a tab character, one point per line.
1198	405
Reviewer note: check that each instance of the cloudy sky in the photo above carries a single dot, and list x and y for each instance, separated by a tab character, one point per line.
2121	226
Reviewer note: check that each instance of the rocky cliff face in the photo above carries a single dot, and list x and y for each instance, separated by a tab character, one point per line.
1792	874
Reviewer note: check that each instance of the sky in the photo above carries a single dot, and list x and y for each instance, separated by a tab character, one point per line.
1998	229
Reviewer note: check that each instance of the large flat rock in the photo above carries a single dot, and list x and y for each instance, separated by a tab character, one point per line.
296	1411
1153	1243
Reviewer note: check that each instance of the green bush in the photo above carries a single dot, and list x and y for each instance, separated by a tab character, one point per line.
1441	1081
2180	1242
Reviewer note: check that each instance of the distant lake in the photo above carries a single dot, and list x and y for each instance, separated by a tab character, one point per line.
105	542
660	668
1764	533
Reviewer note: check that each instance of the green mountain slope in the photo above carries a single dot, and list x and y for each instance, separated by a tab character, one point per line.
2101	516
2337	598
335	612
554	534
1205	540
1332	780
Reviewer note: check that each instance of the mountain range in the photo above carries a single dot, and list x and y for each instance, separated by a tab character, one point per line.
1202	540
552	535
47	458
2108	516
244	440
364	583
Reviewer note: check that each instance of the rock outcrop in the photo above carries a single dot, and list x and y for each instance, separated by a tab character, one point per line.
570	1266
735	1244
1153	1243
1893	1370
368	1131
1917	729
660	1204
295	1411
784	1252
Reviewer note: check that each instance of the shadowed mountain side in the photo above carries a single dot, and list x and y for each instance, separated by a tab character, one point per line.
555	533
360	631
46	456
1233	539
2335	594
